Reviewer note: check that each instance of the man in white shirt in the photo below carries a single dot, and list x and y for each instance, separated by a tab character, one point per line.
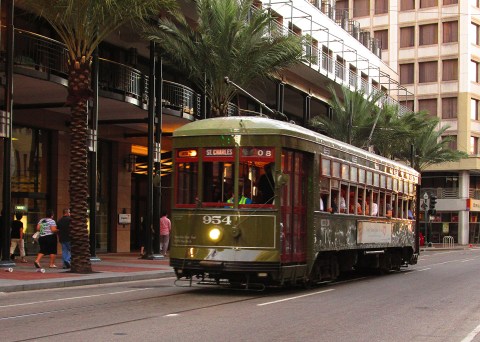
373	207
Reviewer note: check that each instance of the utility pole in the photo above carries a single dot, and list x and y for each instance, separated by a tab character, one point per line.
426	217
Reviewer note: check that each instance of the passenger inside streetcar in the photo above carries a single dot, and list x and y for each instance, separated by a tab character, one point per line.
266	185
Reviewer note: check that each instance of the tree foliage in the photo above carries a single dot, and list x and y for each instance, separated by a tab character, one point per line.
228	39
360	121
353	115
82	25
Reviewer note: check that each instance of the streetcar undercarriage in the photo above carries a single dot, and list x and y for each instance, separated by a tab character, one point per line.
327	267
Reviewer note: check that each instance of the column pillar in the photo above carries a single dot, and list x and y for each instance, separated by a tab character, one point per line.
7	143
463	215
307	102
92	151
280	96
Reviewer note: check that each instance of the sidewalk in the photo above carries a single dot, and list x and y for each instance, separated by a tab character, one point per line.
113	267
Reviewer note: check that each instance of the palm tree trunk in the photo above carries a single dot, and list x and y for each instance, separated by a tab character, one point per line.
79	90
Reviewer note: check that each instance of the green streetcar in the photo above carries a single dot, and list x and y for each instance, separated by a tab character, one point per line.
259	202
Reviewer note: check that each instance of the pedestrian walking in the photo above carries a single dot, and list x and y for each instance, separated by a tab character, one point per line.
165	228
63	226
16	237
48	240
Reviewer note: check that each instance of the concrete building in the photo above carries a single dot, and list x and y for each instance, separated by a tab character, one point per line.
434	47
341	54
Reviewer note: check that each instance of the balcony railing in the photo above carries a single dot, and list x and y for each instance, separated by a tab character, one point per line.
182	98
40	53
36	52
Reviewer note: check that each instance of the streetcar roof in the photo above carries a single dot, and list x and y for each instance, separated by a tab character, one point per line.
256	125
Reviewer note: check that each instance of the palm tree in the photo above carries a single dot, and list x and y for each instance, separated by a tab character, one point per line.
353	116
358	120
431	147
229	39
82	25
393	129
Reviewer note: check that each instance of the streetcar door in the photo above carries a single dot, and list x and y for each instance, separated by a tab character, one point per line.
294	207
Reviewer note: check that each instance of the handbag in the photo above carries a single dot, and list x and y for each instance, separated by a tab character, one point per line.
35	237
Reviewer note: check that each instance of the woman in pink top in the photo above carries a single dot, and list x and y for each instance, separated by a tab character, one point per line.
165	228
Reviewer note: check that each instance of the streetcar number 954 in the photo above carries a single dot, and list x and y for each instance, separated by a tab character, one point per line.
217	219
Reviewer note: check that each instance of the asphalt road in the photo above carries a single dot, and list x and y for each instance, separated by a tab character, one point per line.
436	300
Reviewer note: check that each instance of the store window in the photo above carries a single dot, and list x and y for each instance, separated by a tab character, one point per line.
30	171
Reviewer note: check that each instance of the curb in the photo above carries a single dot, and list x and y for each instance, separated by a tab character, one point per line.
54	283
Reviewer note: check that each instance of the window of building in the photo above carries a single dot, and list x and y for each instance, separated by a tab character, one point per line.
449	69
410	104
353	76
311	49
452	142
341	5
407	73
361	8
450	2
474	36
474	71
381	6
449	107
428	34
450	31
407	36
327	59
429	106
428	3
382	36
474	109
427	72
340	68
407	5
473	145
364	85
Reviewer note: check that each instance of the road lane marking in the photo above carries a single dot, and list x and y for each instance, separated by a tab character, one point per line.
296	297
73	298
472	334
466	260
423	269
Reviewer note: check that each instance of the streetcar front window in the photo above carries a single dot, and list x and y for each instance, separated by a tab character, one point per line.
217	183
186	183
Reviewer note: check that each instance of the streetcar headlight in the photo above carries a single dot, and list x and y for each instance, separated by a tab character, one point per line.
215	234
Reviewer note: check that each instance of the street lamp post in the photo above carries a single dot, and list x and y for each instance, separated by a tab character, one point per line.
425	207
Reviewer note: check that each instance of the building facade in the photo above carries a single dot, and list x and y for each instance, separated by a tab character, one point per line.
340	54
434	46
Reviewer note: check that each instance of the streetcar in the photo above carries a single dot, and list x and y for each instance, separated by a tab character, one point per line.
259	202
